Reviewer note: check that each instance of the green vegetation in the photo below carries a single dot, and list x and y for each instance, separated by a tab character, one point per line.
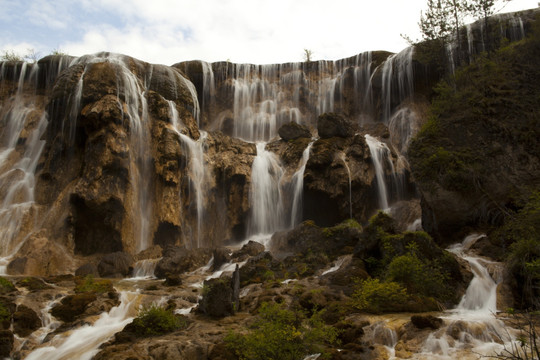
409	271
33	284
374	296
348	223
155	320
522	234
5	314
89	284
6	285
281	333
475	115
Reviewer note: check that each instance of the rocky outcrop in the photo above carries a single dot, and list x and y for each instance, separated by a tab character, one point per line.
118	264
293	131
331	124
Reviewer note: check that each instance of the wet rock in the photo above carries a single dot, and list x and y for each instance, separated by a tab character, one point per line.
221	257
252	248
426	321
177	260
118	264
87	269
25	321
293	130
173	280
331	125
217	298
33	284
260	268
6	342
72	306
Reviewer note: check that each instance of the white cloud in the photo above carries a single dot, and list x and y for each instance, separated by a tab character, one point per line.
259	31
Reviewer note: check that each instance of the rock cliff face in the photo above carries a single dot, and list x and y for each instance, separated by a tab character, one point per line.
106	153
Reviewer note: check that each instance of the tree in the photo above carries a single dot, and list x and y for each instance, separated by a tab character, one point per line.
308	54
484	9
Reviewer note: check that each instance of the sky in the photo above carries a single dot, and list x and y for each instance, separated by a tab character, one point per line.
241	31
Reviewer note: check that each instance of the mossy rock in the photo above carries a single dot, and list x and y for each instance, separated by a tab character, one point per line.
6	286
154	321
34	284
73	306
90	285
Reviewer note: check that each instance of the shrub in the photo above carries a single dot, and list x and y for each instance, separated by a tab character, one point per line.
155	320
280	333
374	296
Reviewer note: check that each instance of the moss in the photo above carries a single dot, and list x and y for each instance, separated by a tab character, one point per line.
89	284
346	224
6	285
5	314
34	284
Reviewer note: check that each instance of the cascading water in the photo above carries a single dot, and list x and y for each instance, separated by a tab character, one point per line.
344	160
83	343
266	195
380	154
472	325
397	81
18	165
197	168
297	183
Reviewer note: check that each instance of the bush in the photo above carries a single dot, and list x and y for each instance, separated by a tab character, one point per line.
280	333
374	296
155	320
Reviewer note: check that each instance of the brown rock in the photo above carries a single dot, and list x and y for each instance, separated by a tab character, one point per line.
25	321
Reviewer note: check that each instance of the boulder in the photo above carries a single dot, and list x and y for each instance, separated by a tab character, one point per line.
217	300
331	125
118	264
25	321
6	343
293	130
87	269
178	260
221	256
72	306
426	321
252	248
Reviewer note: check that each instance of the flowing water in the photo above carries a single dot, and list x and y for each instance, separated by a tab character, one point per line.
297	183
266	198
381	157
83	342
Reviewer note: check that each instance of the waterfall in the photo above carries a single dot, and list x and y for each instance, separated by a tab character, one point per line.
18	165
481	295
266	195
472	325
298	187
397	81
136	112
83	343
197	172
380	154
344	160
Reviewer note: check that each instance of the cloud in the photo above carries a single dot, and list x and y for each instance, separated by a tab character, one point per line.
259	31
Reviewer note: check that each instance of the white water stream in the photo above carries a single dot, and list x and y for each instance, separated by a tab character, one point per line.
83	342
381	156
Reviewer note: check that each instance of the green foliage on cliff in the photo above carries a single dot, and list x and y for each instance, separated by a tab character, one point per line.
377	297
488	107
410	259
155	320
522	233
281	333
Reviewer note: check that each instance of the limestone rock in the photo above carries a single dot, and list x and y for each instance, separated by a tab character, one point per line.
25	321
426	321
118	264
292	131
332	124
87	269
218	298
178	260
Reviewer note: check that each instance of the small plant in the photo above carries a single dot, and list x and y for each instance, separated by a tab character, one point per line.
5	314
281	333
155	320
